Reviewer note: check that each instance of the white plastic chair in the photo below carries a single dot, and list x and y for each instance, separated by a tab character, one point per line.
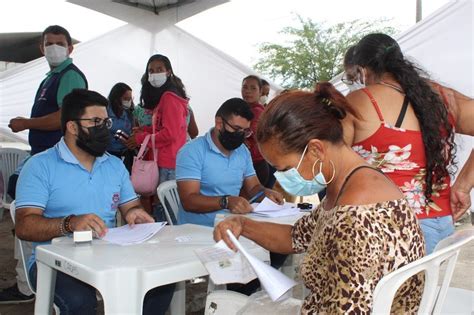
25	259
168	194
433	297
10	158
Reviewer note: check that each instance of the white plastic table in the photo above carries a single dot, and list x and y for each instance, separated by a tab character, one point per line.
124	274
281	220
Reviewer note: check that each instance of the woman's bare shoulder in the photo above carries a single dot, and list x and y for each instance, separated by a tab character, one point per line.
368	186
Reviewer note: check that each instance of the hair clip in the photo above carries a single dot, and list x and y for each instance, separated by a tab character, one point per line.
388	48
326	101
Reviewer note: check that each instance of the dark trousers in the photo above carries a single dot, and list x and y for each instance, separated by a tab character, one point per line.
73	296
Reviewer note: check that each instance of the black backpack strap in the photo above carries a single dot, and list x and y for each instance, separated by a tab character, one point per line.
403	111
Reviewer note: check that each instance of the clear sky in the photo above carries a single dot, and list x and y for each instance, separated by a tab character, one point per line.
236	27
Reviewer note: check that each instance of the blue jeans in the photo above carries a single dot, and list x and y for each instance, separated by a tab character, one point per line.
435	230
73	296
166	174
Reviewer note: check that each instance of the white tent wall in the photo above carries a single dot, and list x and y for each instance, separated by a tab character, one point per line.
210	76
17	90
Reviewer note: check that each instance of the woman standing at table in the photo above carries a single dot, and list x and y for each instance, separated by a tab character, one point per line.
362	230
164	93
406	128
251	92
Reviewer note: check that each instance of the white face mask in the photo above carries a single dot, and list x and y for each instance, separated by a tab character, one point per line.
157	79
127	104
263	99
55	54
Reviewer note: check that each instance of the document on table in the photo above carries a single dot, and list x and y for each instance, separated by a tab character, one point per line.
270	209
128	235
226	266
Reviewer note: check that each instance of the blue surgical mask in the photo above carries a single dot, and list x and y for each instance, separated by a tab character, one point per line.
293	183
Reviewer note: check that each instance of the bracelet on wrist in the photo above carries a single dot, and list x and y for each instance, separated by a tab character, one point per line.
62	232
67	223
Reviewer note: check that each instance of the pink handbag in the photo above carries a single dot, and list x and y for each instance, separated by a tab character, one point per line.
145	175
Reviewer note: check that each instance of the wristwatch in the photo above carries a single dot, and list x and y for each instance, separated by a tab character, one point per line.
224	202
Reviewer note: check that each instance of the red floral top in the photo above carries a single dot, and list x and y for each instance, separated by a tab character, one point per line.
400	154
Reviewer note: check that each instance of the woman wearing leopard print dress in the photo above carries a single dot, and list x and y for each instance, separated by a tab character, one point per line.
363	229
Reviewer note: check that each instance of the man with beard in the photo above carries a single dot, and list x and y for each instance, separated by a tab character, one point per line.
77	186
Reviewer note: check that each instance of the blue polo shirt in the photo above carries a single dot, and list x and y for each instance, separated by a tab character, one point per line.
217	173
57	183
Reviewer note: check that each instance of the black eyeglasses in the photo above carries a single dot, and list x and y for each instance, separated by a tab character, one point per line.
345	79
247	132
107	122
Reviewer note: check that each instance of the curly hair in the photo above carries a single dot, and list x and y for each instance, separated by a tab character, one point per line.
382	54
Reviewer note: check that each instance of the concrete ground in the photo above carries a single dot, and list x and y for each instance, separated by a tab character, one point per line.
463	275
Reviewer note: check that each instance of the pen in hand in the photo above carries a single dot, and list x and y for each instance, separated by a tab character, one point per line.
256	196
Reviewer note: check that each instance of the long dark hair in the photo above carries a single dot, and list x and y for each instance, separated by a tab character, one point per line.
296	117
149	95
382	54
115	102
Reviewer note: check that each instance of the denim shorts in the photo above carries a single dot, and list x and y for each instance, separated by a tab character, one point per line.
435	230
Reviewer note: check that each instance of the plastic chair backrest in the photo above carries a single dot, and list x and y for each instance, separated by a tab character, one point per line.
168	194
10	158
432	299
24	259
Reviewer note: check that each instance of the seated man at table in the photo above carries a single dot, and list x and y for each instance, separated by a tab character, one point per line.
76	186
213	170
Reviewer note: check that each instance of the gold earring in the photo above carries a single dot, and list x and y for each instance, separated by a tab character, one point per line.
321	169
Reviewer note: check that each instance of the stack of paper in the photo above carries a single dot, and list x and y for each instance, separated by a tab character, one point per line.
267	208
226	266
136	234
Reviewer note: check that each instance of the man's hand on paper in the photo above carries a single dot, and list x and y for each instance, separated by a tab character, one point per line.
89	222
234	224
239	205
274	196
137	215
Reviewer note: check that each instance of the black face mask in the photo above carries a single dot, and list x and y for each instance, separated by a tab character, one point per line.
96	141
231	140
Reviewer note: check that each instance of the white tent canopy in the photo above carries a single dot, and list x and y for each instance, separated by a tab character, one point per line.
210	76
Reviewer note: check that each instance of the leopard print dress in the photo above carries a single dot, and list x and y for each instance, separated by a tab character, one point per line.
350	248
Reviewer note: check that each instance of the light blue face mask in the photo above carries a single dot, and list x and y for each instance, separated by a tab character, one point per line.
295	184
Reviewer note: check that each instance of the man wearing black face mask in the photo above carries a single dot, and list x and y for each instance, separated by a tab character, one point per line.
76	186
212	170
